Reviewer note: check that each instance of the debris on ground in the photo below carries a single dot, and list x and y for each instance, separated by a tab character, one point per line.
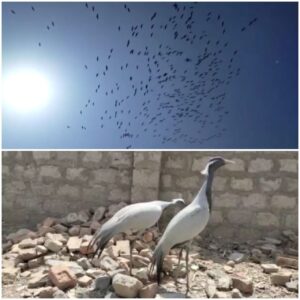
54	262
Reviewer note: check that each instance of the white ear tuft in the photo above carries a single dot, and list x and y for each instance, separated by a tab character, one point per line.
205	171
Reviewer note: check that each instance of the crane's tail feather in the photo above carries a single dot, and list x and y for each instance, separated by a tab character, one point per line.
100	239
157	260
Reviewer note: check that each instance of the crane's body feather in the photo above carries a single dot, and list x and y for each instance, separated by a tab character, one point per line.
136	217
189	222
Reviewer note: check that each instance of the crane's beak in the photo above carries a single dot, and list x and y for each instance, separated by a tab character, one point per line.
229	161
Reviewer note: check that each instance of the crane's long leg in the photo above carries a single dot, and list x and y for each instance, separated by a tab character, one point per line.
187	249
176	271
131	243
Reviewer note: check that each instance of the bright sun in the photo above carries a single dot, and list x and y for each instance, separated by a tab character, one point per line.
26	90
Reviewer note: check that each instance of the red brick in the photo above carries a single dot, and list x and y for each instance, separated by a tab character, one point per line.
62	277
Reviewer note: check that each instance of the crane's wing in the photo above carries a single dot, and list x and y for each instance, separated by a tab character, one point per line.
185	226
135	216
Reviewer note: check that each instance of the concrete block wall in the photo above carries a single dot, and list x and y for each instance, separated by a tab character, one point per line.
257	196
42	183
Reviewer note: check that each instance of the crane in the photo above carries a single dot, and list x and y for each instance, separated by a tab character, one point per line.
137	217
189	222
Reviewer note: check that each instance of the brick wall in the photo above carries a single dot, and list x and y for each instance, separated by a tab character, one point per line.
256	196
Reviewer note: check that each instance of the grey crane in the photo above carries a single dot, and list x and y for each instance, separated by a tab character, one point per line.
189	222
137	217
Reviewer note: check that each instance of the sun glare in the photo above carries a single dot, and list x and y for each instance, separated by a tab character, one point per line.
26	91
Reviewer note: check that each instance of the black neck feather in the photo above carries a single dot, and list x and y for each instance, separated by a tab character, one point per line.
210	178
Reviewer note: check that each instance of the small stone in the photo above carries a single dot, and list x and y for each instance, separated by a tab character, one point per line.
38	279
40	240
20	235
25	274
287	262
291	251
228	269
86	249
224	283
72	265
273	241
113	251
126	286
74	243
194	267
141	274
140	261
245	285
210	288
27	254
292	286
146	252
9	275
268	249
212	246
43	230
117	271
123	247
60	294
148	237
36	262
236	294
95	226
221	295
49	222
27	243
85	281
270	268
94	273
85	231
59	228
41	249
237	257
230	263
84	263
256	255
62	277
77	218
22	266
74	230
102	282
290	235
108	264
111	295
53	245
44	292
281	278
139	245
148	291
99	214
6	246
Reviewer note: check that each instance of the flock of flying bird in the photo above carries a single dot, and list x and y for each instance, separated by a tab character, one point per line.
175	77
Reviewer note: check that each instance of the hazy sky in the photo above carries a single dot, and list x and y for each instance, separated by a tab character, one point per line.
205	75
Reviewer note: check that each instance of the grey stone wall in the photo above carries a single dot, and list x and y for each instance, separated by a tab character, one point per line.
256	196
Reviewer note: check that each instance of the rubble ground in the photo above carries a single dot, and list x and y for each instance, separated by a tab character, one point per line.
53	263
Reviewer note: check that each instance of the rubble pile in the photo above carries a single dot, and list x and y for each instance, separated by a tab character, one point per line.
53	262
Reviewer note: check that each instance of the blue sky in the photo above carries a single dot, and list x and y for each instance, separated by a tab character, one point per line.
155	75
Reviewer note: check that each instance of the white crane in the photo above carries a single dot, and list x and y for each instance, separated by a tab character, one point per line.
137	217
189	222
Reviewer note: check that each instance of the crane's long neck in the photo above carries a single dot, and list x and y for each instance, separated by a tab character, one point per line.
204	195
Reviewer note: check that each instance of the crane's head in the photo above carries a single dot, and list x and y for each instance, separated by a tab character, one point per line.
178	201
214	164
